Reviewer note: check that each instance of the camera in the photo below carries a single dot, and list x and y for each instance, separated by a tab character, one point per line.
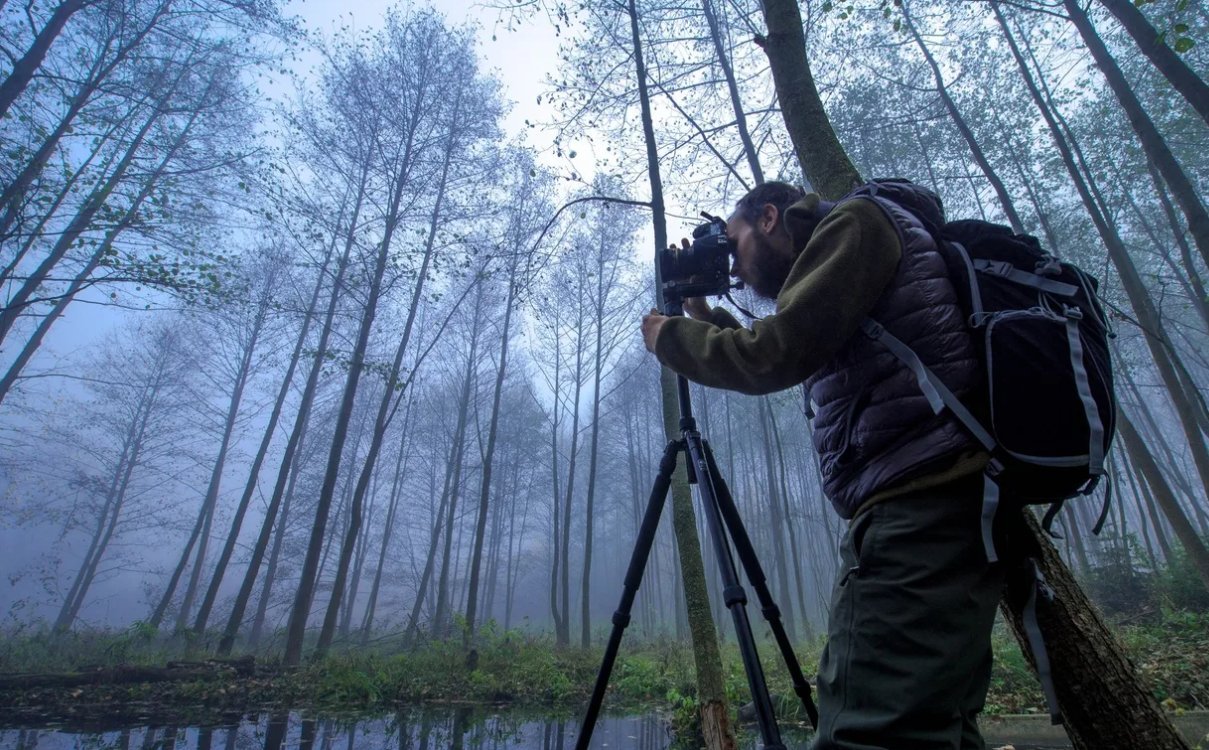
701	269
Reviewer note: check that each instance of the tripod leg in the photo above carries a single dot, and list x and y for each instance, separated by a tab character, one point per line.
759	582
732	591
633	577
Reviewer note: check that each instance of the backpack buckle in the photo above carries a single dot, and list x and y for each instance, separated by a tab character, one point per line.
1073	313
1051	266
997	267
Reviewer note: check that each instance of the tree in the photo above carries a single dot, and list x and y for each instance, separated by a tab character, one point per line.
131	419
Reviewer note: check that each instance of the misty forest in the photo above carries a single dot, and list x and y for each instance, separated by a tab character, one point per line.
322	386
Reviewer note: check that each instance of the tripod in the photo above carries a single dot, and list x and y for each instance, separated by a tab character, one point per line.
721	517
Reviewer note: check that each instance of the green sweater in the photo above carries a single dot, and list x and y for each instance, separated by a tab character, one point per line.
837	279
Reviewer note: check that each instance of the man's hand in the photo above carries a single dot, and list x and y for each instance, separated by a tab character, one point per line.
697	308
651	323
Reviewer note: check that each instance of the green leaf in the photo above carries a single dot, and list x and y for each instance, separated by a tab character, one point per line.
1183	44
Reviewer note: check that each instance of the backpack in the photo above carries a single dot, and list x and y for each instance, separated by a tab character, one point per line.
1045	408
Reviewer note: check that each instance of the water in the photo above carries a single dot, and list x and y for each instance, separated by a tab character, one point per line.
459	729
462	729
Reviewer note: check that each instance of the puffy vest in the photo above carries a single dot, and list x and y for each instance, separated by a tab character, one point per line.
873	428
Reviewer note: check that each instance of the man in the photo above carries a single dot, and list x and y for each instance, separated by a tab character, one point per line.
908	657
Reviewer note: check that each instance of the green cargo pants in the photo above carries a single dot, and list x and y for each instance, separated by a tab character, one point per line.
908	656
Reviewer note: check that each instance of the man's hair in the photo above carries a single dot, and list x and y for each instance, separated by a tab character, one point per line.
780	194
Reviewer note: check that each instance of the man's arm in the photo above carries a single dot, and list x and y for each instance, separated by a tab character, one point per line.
832	287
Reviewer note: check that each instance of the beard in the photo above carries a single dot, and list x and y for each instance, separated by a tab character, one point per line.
770	268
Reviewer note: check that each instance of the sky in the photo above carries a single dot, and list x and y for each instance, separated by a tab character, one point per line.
522	57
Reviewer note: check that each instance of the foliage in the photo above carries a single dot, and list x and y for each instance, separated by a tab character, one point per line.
1173	658
527	670
45	651
1120	584
1180	587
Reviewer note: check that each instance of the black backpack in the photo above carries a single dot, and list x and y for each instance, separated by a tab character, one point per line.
1045	409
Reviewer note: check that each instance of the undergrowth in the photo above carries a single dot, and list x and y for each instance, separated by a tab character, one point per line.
528	669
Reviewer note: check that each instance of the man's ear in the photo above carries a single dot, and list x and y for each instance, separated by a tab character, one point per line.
770	218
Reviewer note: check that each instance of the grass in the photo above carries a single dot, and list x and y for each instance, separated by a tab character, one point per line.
527	670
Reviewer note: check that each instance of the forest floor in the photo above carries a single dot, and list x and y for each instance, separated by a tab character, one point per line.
94	678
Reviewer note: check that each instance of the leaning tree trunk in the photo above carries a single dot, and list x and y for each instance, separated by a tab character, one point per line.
1144	461
1151	140
1181	77
822	157
23	70
440	618
711	694
1104	702
245	500
300	421
732	89
310	569
967	135
385	411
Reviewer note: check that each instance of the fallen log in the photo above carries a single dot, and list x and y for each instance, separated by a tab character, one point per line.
174	671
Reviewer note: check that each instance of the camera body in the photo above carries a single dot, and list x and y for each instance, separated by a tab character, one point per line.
700	270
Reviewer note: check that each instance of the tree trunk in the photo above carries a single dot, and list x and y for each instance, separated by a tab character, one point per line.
245	500
210	502
795	554
101	70
585	609
441	613
1165	59
434	541
371	606
824	162
78	225
300	421
1141	458
1151	140
23	70
310	567
1103	701
488	459
711	695
115	498
776	523
161	609
1005	200
270	570
389	396
732	90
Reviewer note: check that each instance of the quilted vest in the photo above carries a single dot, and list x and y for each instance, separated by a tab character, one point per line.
873	427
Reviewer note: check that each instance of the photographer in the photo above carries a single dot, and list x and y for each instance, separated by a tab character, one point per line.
908	657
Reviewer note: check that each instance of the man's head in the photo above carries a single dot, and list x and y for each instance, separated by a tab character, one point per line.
765	250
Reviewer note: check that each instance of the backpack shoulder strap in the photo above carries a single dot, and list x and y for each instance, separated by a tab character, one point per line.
939	396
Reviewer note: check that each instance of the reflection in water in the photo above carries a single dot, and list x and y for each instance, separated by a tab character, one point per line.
461	728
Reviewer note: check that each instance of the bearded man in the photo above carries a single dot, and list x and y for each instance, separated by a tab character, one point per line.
908	655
